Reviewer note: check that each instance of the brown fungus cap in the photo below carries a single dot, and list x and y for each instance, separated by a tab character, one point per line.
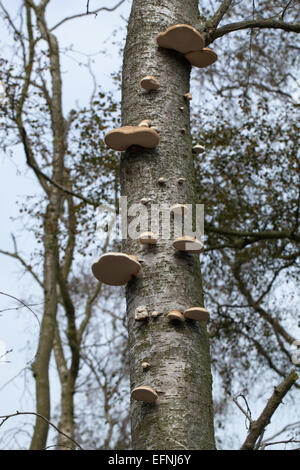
116	269
150	83
144	393
147	238
175	315
201	59
121	139
182	38
189	244
197	313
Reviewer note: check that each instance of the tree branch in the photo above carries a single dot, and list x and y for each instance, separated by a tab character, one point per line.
258	427
218	16
258	23
31	163
79	15
19	413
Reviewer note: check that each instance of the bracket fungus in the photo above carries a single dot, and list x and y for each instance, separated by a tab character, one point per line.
144	393
116	269
201	58
182	38
161	181
155	314
175	315
188	244
145	123
197	313
145	200
141	313
147	238
181	180
145	365
150	83
197	149
179	209
121	139
188	96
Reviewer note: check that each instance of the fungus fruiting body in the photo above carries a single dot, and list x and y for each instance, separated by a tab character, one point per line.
188	96
147	238
197	149
201	58
121	139
161	181
179	209
145	200
182	38
155	314
141	313
144	393
197	313
145	123
175	315
188	244
116	269
145	365
181	180
150	83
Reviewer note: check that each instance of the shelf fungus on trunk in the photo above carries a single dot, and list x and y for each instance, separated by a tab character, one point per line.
150	83
197	313
188	96
121	139
116	269
182	38
145	365
145	123
197	149
144	393
141	313
201	58
175	315
147	238
188	244
179	209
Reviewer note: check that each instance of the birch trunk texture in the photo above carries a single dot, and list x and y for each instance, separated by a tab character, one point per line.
178	354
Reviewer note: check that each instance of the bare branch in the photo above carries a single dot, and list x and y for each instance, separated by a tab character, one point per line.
218	16
31	163
19	413
258	427
258	23
94	12
23	303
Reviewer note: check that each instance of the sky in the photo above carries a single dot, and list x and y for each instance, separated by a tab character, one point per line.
101	37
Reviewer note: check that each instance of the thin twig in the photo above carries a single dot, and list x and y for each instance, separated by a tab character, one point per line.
19	413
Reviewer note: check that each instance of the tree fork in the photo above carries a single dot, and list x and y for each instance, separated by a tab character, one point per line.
179	354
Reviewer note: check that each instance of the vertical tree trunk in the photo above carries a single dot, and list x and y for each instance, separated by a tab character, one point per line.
178	353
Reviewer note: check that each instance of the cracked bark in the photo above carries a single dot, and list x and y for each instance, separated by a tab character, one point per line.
178	354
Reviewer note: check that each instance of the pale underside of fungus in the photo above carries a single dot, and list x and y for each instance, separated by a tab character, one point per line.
116	269
121	139
202	58
144	393
150	83
188	244
197	313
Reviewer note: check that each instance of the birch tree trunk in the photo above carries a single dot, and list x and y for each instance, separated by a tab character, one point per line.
179	354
